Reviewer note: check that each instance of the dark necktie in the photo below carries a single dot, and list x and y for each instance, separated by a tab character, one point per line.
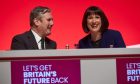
42	43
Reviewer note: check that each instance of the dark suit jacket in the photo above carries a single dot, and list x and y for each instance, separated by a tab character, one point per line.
109	38
27	41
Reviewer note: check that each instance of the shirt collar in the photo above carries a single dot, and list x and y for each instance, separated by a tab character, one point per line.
37	37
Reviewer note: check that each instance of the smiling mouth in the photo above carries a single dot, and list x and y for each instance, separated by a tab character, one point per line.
49	27
94	25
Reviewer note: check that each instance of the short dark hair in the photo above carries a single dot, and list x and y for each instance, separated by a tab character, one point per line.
36	13
95	10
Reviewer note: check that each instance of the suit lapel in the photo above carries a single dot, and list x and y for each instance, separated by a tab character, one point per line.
47	43
32	41
33	45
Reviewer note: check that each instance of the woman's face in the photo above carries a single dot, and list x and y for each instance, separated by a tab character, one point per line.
94	23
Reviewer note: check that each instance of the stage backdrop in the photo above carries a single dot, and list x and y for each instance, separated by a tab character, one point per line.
123	15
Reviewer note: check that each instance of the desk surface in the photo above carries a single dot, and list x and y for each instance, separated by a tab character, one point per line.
69	53
91	70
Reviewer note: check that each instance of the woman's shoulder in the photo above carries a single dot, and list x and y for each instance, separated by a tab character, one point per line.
85	38
111	32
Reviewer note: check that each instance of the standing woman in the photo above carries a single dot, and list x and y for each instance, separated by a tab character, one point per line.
95	24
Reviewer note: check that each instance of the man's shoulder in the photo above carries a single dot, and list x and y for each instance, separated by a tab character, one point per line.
25	34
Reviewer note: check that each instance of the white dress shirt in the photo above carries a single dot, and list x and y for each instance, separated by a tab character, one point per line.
37	38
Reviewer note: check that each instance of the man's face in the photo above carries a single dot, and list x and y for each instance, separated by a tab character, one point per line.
45	24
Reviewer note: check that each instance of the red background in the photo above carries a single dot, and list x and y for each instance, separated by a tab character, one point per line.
123	15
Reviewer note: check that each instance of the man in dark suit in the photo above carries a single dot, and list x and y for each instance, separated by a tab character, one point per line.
41	22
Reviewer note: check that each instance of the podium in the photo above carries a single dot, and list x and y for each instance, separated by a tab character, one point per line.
96	66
